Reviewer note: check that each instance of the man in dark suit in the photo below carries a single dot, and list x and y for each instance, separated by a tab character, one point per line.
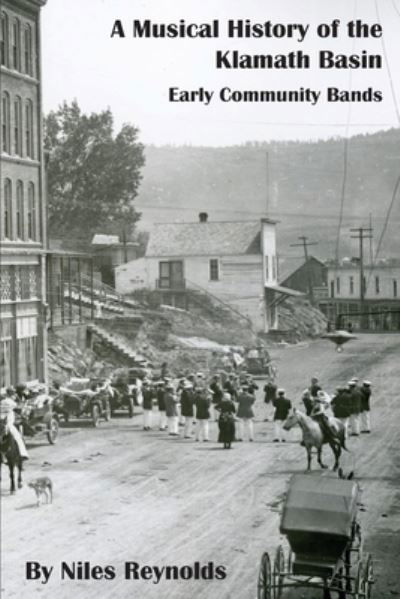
282	406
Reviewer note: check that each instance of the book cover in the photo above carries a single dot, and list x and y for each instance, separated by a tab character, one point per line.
200	312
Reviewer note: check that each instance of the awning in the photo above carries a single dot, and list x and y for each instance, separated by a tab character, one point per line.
284	290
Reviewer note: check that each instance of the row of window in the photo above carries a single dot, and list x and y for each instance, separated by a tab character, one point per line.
351	286
17	126
20	223
16	45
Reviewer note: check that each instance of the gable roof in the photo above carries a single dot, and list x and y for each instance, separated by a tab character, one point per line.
289	267
204	239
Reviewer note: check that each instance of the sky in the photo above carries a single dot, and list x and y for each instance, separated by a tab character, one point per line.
132	76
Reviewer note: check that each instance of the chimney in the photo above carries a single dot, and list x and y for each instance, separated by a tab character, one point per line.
203	217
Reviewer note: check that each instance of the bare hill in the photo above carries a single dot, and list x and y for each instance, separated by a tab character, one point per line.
305	186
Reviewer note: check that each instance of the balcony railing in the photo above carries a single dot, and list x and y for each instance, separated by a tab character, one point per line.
170	285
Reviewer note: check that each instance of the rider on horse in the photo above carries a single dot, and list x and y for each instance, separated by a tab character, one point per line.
7	407
321	403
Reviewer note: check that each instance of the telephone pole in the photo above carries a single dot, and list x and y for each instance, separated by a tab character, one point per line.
361	234
305	244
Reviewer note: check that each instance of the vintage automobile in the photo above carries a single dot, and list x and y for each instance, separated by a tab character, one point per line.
258	362
37	417
77	400
122	395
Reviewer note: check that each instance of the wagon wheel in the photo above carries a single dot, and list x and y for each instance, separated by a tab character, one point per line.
131	407
95	415
279	568
359	582
368	576
264	578
52	431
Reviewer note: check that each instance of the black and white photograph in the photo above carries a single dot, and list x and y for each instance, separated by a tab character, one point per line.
199	299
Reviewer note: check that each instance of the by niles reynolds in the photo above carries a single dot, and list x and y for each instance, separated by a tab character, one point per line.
132	570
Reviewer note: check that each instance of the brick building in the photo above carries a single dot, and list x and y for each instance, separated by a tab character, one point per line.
22	197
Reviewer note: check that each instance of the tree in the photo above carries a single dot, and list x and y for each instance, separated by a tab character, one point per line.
93	175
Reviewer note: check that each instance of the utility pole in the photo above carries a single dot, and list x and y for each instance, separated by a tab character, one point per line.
267	181
361	234
305	244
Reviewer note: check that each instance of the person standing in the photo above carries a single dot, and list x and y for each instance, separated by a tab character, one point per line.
171	409
218	393
314	387
341	406
226	421
355	407
308	401
187	412
365	407
148	395
282	406
245	413
270	395
202	402
160	395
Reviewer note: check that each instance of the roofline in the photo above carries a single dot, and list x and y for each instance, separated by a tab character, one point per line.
301	266
211	255
218	222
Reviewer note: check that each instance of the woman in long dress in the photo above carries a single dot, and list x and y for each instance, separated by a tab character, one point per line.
226	421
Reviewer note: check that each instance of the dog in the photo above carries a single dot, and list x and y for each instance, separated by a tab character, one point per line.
43	487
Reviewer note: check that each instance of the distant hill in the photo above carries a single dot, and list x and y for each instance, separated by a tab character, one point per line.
305	187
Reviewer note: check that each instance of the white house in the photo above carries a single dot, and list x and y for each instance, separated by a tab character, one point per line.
235	262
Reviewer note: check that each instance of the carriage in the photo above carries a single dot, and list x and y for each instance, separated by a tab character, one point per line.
37	418
75	403
325	545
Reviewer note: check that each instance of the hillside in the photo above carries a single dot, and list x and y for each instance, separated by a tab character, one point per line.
305	187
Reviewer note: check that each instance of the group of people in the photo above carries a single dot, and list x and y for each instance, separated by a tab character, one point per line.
350	403
13	400
193	401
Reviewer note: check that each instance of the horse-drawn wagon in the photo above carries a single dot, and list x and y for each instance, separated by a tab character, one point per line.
79	398
37	417
325	545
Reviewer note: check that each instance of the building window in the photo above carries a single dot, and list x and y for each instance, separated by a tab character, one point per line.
332	288
20	210
377	289
31	212
5	122
28	50
16	45
7	209
4	39
29	128
394	288
338	285
351	285
214	269
18	126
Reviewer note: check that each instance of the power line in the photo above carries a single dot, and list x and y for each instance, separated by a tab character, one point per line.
305	244
388	67
395	7
345	157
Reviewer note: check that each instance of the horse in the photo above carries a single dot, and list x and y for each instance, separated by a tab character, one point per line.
313	436
10	452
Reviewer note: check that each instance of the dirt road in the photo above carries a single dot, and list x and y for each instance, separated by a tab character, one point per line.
125	495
